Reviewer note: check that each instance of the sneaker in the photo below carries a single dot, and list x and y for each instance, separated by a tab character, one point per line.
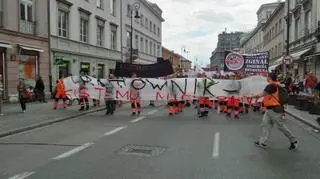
133	113
258	144
24	111
294	145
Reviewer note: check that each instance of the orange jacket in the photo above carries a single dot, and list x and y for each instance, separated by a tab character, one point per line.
61	92
273	99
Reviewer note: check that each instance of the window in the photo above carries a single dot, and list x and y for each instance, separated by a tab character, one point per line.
113	37
128	10
26	10
268	14
100	35
154	28
280	25
276	51
158	31
280	49
113	4
276	29
137	42
296	29
141	44
307	22
158	51
100	4
128	39
150	26
63	23
141	20
150	46
146	23
84	30
146	44
100	71
154	50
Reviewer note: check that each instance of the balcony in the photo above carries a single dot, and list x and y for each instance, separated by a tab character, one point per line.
27	27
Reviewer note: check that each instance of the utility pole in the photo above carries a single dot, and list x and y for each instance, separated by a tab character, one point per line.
288	37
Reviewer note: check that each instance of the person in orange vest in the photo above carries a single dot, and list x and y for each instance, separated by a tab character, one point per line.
273	114
83	93
60	94
135	97
171	105
233	107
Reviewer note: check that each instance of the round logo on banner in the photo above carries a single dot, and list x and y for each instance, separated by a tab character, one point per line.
234	61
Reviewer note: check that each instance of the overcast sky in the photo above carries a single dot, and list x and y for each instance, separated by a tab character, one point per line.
195	24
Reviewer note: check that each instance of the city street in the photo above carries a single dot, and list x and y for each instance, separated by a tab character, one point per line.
156	146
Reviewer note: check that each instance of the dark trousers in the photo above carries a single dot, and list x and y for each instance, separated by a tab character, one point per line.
110	106
23	103
40	96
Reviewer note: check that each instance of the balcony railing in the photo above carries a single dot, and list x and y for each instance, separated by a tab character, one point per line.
27	27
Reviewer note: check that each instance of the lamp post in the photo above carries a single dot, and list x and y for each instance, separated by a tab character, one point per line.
133	8
288	37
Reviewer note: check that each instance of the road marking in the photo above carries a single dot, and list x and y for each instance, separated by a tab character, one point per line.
73	151
152	112
114	130
216	142
138	119
22	175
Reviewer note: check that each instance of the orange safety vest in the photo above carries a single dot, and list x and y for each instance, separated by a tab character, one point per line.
61	93
273	99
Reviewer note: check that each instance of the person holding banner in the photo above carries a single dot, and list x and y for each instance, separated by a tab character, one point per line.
109	99
60	94
83	93
135	97
273	114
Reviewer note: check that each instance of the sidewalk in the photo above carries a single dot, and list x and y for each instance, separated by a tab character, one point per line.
38	115
303	116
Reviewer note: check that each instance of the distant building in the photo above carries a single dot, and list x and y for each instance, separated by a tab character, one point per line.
226	41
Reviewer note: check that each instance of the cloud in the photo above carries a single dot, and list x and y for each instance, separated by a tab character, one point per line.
195	24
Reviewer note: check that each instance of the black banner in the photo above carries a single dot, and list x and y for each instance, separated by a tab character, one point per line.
156	70
252	63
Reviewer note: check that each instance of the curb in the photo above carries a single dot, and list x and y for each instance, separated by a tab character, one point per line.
303	120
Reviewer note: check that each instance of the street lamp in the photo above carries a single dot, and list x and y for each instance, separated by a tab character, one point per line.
133	8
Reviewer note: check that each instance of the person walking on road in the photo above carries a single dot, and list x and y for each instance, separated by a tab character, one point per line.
22	90
83	92
273	114
60	94
135	96
39	90
109	99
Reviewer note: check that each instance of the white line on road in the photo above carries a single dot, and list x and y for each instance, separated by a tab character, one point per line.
73	151
115	130
138	119
22	175
152	112
216	142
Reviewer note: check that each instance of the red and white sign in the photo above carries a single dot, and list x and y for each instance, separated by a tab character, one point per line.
287	60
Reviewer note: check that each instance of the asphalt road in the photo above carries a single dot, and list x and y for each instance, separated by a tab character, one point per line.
156	146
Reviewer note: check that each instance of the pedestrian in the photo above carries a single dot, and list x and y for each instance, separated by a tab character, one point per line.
135	96
273	114
60	94
1	94
22	90
83	93
109	98
39	90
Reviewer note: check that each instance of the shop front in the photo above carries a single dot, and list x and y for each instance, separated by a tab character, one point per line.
85	68
100	71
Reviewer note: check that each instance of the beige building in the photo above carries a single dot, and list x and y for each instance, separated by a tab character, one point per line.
273	39
253	41
23	43
304	38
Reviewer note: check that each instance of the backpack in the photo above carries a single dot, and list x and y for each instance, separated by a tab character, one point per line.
283	95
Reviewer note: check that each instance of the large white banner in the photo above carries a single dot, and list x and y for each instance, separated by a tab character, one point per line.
160	89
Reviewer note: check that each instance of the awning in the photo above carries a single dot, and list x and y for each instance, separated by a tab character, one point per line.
31	48
277	62
273	67
5	45
297	55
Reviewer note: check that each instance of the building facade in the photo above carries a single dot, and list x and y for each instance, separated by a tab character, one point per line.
85	36
253	41
174	58
226	41
186	64
273	36
147	31
304	33
24	51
